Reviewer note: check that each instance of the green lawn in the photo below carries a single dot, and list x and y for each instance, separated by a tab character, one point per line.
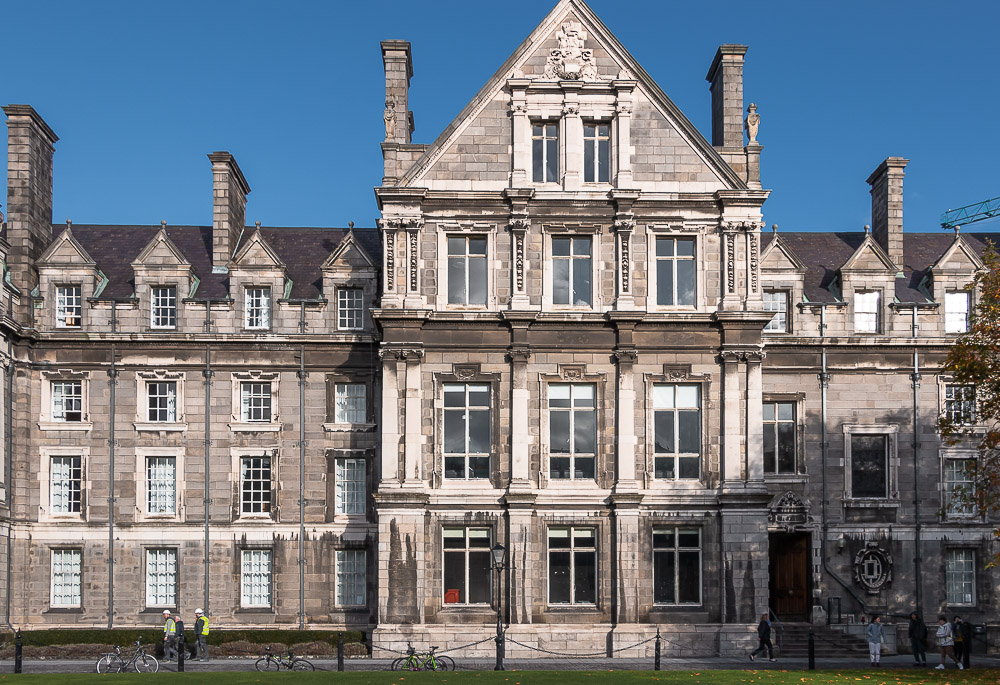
748	677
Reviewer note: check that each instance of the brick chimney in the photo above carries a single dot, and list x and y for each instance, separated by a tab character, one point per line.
887	207
726	77
30	146
398	71
229	206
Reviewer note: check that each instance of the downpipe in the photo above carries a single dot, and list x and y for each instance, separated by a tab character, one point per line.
207	373
302	485
918	526
112	387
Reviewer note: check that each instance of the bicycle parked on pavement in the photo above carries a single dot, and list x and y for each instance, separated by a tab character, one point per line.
116	662
270	662
423	661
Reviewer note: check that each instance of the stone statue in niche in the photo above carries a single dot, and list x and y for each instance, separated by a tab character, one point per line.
390	118
752	123
571	61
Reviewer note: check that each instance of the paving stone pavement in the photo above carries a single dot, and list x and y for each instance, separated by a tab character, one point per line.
903	662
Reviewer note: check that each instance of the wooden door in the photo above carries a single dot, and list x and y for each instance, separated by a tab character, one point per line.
789	571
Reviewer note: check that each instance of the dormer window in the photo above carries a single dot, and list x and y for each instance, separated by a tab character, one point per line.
956	312
866	311
776	301
545	152
258	308
163	311
69	306
350	309
597	153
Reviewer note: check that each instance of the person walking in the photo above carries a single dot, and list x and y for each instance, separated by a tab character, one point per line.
946	643
169	636
200	635
918	639
876	636
763	639
956	635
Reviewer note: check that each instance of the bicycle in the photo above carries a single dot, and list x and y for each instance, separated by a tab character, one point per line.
270	662
116	662
423	661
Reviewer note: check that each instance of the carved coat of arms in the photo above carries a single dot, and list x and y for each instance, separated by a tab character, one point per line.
571	61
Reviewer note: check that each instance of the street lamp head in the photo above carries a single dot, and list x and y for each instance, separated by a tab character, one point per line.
499	553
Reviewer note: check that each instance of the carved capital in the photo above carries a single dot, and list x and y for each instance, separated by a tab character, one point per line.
399	354
519	223
626	355
731	356
519	353
623	108
571	108
754	356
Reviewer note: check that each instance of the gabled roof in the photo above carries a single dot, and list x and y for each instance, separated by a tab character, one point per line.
869	257
596	29
256	245
346	245
65	248
776	252
964	253
161	244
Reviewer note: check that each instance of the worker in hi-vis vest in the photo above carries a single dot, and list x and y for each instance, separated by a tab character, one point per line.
169	636
201	635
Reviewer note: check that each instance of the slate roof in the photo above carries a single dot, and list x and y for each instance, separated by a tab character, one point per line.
824	253
303	250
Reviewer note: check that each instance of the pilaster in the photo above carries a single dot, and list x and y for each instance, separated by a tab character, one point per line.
413	437
755	419
623	140
572	167
629	567
413	300
520	517
732	473
521	132
520	440
730	285
391	366
626	438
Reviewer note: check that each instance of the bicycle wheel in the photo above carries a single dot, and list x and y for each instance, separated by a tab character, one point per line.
302	665
397	663
109	663
147	664
266	663
445	663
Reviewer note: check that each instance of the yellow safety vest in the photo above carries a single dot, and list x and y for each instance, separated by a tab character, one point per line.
204	625
170	627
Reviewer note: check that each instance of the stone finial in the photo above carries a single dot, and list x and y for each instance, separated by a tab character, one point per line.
350	225
774	228
257	225
163	224
868	229
752	124
69	223
958	229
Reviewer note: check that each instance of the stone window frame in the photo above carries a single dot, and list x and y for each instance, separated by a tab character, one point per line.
891	431
944	381
257	547
60	321
346	288
880	318
573	374
175	604
572	523
142	381
463	524
72	608
676	230
46	453
956	547
334	379
45	420
952	454
245	306
237	425
787	292
237	454
596	119
153	306
142	453
356	457
337	600
676	375
677	526
466	230
968	310
335	455
592	231
798	399
547	119
467	374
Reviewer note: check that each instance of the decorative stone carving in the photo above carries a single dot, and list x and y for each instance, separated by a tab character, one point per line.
571	61
752	123
518	107
675	372
413	235
731	356
754	271
466	372
400	354
571	372
788	510
518	226
626	354
519	353
571	108
517	73
390	118
731	262
873	568
390	260
756	356
625	260
623	107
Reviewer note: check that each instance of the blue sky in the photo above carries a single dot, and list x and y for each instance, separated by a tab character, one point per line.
140	92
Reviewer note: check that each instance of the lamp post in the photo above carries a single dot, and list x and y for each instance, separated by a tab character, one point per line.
499	553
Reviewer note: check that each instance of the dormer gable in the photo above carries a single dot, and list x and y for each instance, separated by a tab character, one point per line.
65	252
160	252
958	260
778	256
348	255
256	253
869	258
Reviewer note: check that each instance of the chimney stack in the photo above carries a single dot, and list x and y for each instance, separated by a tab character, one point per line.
229	207
30	146
726	77
887	207
398	71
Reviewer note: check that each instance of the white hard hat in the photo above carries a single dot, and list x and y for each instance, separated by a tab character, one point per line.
166	612
198	611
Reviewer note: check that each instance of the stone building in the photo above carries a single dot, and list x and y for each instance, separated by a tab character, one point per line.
568	335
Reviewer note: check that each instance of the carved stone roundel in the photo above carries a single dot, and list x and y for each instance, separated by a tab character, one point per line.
873	568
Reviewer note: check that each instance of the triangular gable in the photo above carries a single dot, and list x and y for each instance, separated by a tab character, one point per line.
538	43
869	257
778	256
256	253
958	258
66	250
160	251
348	253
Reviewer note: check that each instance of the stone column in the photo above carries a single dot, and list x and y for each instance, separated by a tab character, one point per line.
755	425
729	280
412	435
518	273
628	580
732	472
626	403
522	563
623	138
572	136
413	299
520	437
392	369
624	227
520	132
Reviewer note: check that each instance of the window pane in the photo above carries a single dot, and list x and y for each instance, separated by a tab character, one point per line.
559	432
663	396
689	429
586	577
687	396
664	437
560	281
585	432
480	588
454	577
689	578
456	281
479	432
454	432
664	282
537	158
350	486
477	280
869	477
559	577
588	159
581	282
351	577
685	282
770	449
663	577
552	157
786	452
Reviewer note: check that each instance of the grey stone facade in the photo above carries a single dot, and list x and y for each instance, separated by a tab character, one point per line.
734	464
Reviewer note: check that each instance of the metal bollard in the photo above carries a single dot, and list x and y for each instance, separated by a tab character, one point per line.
812	650
180	646
18	651
340	651
656	651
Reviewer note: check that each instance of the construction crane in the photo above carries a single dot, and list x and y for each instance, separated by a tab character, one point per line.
970	214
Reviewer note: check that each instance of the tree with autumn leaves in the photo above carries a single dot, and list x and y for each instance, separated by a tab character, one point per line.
974	360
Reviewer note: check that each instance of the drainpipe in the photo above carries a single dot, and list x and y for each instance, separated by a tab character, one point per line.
207	374
302	485
824	382
9	468
112	387
915	377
